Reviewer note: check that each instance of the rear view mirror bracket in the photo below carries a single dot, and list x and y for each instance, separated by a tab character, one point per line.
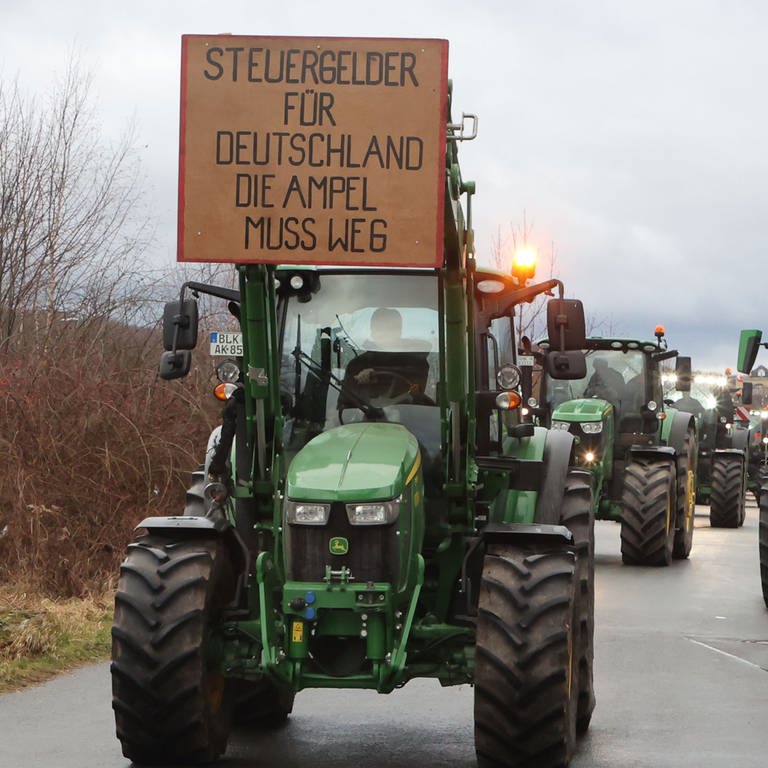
566	365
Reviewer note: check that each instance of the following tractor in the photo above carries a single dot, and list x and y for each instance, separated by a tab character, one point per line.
372	508
641	452
750	342
723	459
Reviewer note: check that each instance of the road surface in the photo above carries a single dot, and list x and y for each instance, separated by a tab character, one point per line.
681	677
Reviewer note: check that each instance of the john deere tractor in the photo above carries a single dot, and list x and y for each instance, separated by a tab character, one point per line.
723	459
750	342
641	452
372	508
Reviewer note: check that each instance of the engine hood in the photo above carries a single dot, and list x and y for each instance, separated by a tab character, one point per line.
585	409
355	462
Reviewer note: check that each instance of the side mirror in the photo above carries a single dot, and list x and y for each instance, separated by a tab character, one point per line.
565	324
175	365
749	344
566	365
746	393
180	324
683	374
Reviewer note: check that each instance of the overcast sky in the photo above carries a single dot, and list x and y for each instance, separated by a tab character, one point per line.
631	136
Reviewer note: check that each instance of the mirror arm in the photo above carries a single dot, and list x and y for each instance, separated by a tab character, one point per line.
531	292
230	294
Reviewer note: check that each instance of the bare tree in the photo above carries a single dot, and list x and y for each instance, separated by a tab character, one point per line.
72	231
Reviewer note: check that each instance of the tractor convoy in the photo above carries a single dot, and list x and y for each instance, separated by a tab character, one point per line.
388	496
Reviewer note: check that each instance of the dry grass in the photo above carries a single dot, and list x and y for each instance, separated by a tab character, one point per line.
40	636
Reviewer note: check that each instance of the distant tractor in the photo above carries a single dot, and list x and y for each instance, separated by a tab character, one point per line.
723	451
641	452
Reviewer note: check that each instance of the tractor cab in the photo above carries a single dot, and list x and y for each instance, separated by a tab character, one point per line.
357	345
625	374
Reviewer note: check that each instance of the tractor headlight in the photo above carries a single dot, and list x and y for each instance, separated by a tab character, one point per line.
592	427
564	425
228	372
508	377
307	512
590	457
373	513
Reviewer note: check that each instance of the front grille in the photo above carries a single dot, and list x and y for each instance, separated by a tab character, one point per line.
373	549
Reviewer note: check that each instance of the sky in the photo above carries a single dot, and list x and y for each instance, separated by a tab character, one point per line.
626	140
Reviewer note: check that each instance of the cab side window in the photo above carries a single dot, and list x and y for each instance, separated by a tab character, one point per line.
501	347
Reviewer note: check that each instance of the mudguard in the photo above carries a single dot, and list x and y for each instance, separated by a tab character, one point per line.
544	536
557	459
550	450
740	439
189	526
653	451
675	430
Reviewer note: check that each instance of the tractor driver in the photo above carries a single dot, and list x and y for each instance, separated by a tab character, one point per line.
605	382
396	374
386	329
689	405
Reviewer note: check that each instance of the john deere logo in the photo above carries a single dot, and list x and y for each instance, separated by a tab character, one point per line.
338	545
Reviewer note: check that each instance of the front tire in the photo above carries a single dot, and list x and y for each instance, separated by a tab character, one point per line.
763	543
649	507
578	515
172	704
726	503
686	500
526	672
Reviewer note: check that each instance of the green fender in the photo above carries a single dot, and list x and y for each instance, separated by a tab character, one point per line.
675	429
547	454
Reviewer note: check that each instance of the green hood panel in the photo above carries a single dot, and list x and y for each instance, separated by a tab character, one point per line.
588	409
355	462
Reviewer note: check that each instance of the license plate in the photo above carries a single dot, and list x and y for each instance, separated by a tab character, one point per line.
226	344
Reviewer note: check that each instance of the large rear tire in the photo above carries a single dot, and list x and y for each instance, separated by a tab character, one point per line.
648	512
526	675
763	543
172	704
726	502
686	500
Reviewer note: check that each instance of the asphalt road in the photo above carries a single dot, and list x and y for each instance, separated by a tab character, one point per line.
681	677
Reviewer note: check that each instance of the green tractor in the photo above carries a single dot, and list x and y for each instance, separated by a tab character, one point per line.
750	342
723	460
372	509
641	452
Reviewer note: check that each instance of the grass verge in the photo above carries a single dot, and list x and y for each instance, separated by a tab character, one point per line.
40	637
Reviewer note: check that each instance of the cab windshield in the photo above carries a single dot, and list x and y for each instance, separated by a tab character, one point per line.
364	346
613	375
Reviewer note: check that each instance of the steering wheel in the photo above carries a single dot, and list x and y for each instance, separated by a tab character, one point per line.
397	389
397	384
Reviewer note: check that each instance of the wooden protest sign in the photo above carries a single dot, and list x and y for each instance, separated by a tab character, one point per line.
312	150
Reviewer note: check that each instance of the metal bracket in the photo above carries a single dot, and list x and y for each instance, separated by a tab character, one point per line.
453	127
258	376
